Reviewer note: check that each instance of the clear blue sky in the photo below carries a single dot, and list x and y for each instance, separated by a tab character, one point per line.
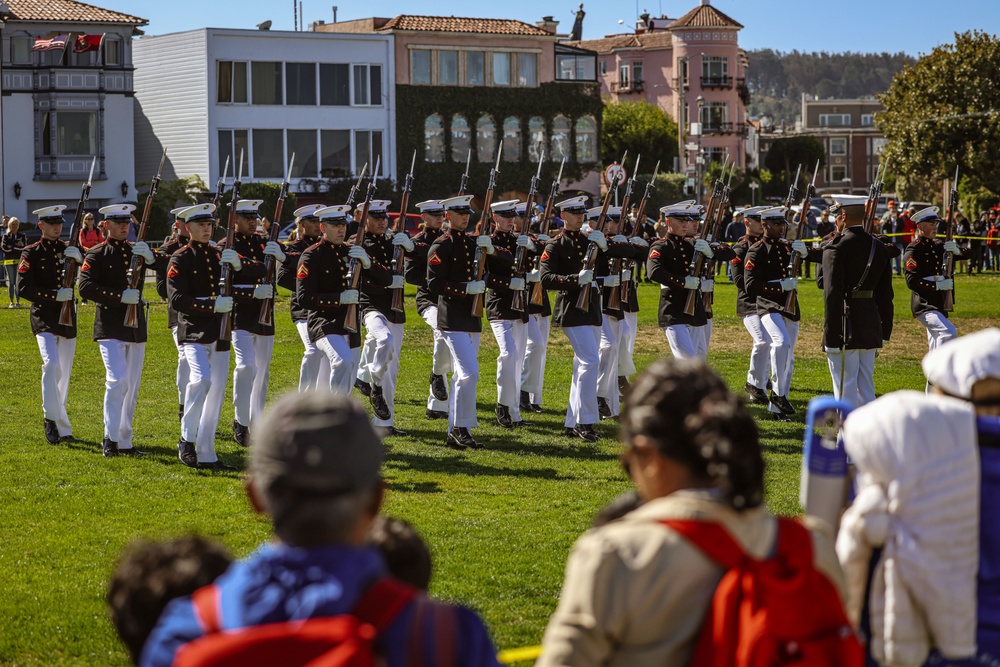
913	26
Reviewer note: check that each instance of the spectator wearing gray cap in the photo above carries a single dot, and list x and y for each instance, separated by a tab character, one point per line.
315	470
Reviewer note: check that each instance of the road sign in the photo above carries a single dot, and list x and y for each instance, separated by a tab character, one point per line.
611	170
691	146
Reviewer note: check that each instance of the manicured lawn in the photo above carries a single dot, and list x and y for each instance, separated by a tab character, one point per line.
500	522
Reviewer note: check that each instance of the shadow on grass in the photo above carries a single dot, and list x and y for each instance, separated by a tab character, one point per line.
463	466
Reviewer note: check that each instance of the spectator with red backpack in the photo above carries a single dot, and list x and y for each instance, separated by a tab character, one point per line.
318	591
700	572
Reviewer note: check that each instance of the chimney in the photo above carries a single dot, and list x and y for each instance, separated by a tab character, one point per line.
548	24
315	24
577	33
705	3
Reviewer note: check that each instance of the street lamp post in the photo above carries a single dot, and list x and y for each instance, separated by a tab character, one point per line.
753	192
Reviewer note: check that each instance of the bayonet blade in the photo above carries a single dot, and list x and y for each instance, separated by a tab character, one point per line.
656	170
90	179
225	170
541	159
163	158
375	171
239	173
468	161
815	171
561	165
798	172
291	163
499	153
413	162
635	168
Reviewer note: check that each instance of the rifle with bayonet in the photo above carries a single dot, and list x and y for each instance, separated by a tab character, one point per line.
137	268
709	297
465	176
357	186
354	268
874	193
219	187
400	228
793	189
795	267
484	228
698	261
948	270
537	293
69	264
636	230
266	316
590	259
615	269
226	271
521	256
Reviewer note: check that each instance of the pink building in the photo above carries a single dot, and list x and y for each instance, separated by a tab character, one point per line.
691	67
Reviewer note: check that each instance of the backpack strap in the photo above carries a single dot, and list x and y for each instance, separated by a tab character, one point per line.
383	602
711	539
794	546
207	611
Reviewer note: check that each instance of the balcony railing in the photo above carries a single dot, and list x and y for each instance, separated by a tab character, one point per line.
722	128
716	82
630	87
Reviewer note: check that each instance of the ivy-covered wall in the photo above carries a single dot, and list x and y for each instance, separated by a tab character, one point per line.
442	179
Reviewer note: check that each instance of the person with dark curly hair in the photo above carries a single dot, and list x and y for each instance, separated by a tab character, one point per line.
635	591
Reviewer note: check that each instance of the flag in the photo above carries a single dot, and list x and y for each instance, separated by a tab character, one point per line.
85	43
56	43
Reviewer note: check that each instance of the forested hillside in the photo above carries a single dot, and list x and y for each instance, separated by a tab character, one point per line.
777	80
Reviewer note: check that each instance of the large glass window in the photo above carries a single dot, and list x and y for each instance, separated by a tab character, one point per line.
501	69
300	84
637	73
266	84
475	68
76	133
560	139
536	137
334	85
571	67
336	146
511	139
303	144
714	115
232	84
486	139
20	50
268	154
231	142
461	139
112	52
527	69
434	139
714	70
834	119
367	85
368	148
838	146
623	76
448	68
586	139
420	66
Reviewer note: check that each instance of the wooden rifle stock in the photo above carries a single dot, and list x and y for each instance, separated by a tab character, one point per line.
400	227
698	261
136	269
266	315
590	259
537	293
521	256
226	271
484	228
69	265
636	227
615	268
354	267
709	272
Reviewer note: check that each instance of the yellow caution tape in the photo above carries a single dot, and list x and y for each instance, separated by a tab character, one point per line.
513	655
7	262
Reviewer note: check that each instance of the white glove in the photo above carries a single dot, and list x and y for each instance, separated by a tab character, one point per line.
788	284
273	248
525	241
639	241
599	238
486	243
800	247
517	284
612	281
263	292
349	296
944	285
585	277
73	253
64	294
397	282
952	247
692	282
534	276
358	253
707	285
130	296
223	304
703	246
542	238
141	248
232	258
620	238
627	276
402	239
476	286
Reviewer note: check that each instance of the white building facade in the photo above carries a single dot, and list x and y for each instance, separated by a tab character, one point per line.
62	108
206	94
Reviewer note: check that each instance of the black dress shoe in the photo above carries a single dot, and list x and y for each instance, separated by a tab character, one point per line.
241	434
454	440
756	394
521	424
217	466
583	431
389	432
186	453
535	407
109	448
436	414
780	417
51	432
623	385
525	402
439	388
379	406
603	409
363	387
782	404
503	416
66	438
131	451
461	436
180	411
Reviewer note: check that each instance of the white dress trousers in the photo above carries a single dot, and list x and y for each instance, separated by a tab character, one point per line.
683	340
586	342
464	347
203	397
315	369
607	369
383	362
626	344
940	330
512	339
363	357
250	376
183	370
535	351
57	364
122	375
338	353
783	333
702	337
760	353
859	375
441	359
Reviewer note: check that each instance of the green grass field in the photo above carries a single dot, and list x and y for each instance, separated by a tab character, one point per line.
500	522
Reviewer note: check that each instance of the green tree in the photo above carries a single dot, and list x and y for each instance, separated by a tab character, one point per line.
639	128
789	152
169	195
945	111
269	192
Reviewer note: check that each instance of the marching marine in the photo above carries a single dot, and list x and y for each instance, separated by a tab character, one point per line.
759	373
539	324
161	261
